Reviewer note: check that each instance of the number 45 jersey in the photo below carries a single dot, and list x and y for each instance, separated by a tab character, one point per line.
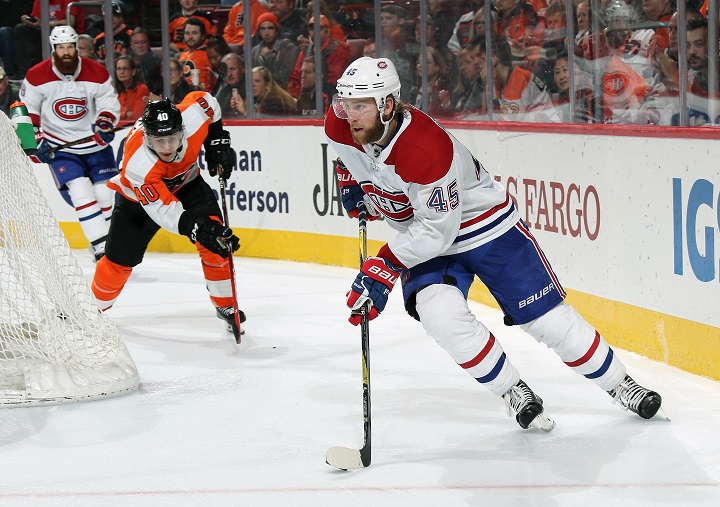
428	186
146	179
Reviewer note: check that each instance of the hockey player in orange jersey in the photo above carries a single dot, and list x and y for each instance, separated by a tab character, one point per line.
160	186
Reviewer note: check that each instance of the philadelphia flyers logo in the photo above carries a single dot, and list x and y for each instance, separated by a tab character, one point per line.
70	109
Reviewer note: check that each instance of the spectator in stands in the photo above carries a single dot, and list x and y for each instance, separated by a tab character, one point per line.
697	56
583	94
292	23
429	33
270	98
582	21
370	47
445	14
659	11
275	54
234	32
195	57
438	88
392	19
179	87
10	14
555	37
469	93
667	82
519	22
216	49
86	46
521	95
336	31
623	88
9	92
335	54
132	93
462	33
121	35
147	63
307	101
188	9
28	43
477	29
231	92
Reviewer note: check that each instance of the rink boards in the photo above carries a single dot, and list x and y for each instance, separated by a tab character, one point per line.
630	223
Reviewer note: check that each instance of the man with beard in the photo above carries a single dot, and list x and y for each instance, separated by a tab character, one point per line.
698	75
453	222
70	97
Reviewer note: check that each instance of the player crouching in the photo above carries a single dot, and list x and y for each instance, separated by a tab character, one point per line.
159	185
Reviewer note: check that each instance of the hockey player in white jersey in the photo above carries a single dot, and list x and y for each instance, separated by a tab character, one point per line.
70	97
454	221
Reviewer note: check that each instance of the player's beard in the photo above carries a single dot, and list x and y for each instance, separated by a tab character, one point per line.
371	135
67	64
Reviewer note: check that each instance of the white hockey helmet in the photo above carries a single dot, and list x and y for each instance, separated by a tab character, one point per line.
63	34
370	78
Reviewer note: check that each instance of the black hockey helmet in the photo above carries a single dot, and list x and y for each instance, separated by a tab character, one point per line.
162	118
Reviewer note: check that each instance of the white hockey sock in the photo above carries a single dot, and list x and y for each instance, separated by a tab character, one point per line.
445	315
578	344
88	210
105	198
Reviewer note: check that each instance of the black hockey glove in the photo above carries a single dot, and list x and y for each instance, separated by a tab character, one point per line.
219	153
209	233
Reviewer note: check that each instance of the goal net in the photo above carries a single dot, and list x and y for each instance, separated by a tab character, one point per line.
54	344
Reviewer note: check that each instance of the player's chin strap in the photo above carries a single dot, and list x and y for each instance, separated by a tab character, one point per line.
385	123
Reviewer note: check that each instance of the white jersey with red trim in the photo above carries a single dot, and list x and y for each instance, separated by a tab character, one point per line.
428	186
66	106
146	179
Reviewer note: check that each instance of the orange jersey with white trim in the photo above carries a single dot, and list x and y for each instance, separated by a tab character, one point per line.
146	179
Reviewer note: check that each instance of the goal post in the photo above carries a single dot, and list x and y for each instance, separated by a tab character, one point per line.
55	346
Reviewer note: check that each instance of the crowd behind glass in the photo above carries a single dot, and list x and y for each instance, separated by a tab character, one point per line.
632	62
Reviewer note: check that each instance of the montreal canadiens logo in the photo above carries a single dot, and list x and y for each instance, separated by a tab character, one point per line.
70	109
382	65
615	83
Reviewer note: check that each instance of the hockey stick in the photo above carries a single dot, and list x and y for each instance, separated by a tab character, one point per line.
344	457
86	139
236	311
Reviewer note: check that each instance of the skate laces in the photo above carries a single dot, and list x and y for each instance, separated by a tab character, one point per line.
629	394
518	397
226	311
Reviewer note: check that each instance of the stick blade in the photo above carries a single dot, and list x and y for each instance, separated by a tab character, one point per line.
344	458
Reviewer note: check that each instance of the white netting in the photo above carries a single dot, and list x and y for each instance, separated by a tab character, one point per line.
54	345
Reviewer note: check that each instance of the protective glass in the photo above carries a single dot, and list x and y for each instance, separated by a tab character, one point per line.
354	108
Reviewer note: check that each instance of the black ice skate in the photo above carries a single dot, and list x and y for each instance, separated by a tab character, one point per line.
97	251
527	407
227	314
633	396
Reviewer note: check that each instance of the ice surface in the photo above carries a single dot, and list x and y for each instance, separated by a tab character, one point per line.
214	423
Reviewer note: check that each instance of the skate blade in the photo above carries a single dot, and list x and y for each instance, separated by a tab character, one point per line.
543	422
229	329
